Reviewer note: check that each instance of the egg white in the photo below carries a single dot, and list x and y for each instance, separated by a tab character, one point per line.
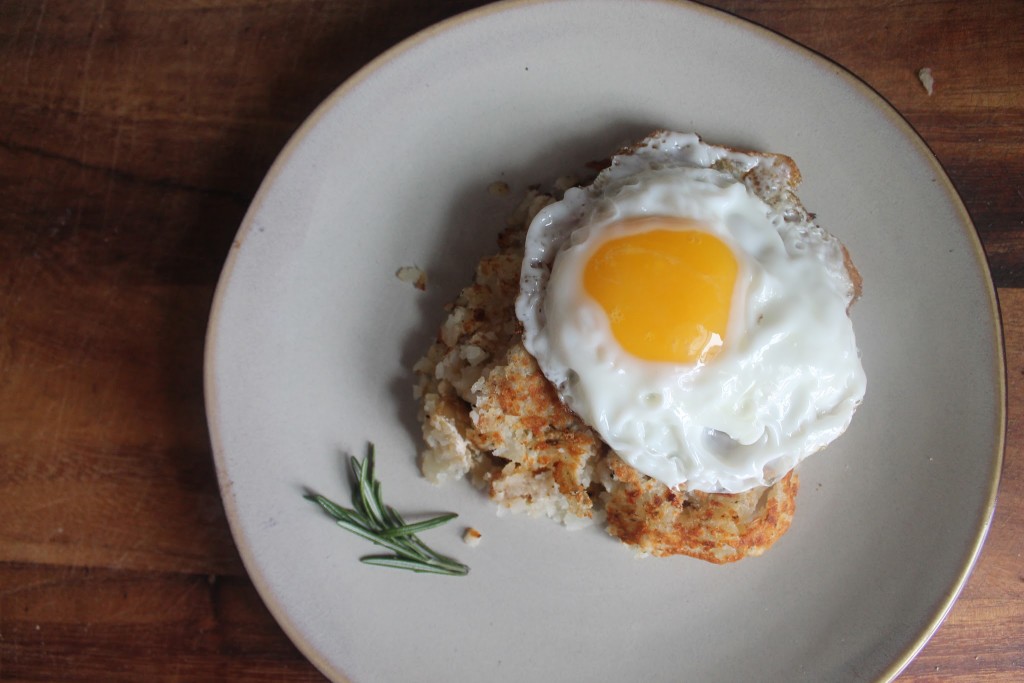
788	378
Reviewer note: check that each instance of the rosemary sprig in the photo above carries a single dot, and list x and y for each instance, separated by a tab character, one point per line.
371	519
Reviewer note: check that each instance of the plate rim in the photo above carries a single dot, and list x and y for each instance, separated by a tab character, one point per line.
243	543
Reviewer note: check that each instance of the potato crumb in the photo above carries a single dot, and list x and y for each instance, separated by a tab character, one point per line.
413	275
472	537
498	189
563	183
927	80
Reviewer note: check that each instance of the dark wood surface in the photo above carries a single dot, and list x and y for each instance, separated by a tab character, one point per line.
133	136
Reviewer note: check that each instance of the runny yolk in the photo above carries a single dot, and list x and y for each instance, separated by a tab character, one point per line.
666	289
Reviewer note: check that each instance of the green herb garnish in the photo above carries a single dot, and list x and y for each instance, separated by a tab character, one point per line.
371	519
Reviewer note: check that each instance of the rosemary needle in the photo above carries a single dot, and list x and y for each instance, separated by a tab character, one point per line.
409	529
371	519
398	563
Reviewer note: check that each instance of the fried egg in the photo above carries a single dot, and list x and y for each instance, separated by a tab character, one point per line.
689	310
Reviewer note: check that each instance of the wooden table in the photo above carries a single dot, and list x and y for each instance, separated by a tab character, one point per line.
133	136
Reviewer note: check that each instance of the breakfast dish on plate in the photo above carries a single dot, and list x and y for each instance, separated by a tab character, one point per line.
656	350
314	334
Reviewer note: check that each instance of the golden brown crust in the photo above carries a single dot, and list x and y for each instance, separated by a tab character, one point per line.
855	277
716	527
519	417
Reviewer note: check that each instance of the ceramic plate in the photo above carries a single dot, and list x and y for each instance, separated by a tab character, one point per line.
312	338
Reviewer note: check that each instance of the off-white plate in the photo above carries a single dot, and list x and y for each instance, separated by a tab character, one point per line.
312	338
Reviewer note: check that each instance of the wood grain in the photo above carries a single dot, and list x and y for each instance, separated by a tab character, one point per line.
132	138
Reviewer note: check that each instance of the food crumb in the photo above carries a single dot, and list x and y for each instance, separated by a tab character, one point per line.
413	275
563	183
927	80
472	537
498	189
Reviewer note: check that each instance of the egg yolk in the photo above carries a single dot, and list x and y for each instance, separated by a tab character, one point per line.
666	288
